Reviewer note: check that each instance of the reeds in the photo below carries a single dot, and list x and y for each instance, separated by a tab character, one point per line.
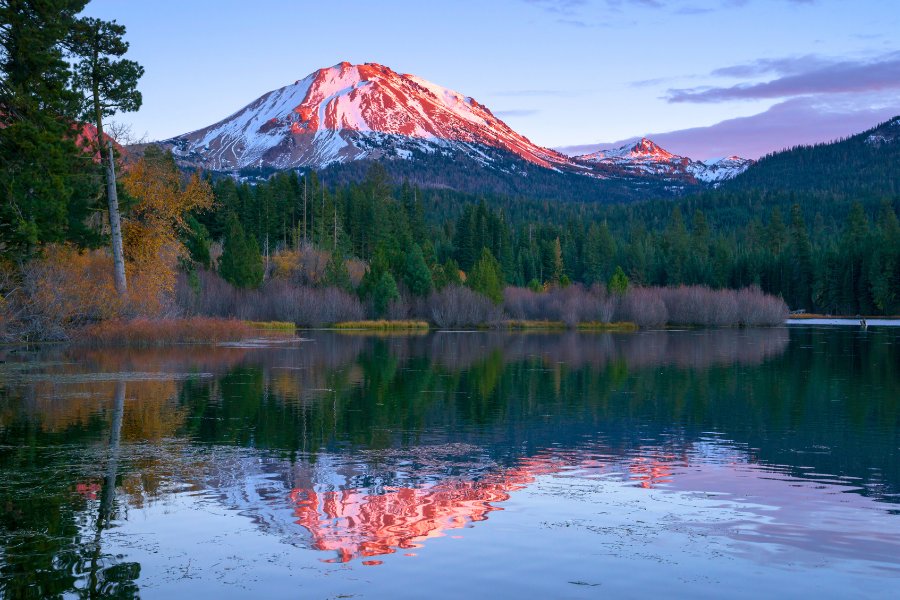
160	332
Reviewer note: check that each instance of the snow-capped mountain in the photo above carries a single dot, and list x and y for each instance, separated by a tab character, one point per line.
646	158
349	112
420	131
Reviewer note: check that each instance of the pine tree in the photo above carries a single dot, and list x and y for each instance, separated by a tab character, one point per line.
109	85
618	283
241	262
336	274
197	243
416	275
554	261
384	293
46	185
486	277
801	250
446	274
599	252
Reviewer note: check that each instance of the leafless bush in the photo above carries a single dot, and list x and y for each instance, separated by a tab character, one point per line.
756	308
398	310
700	305
522	303
457	306
643	307
571	305
278	300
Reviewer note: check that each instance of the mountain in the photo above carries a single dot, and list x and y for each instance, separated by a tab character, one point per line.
352	112
342	118
866	164
645	158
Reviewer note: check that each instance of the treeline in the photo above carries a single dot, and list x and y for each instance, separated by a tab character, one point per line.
864	164
819	252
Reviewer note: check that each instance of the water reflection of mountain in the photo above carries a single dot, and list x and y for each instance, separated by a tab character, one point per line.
357	430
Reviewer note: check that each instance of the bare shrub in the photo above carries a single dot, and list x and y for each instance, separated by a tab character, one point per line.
399	309
523	303
644	307
457	306
571	305
756	308
277	300
700	305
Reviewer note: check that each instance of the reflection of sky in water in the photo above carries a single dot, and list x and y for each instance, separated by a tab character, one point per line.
697	462
703	515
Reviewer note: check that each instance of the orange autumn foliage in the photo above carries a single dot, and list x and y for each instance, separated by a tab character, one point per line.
70	287
150	232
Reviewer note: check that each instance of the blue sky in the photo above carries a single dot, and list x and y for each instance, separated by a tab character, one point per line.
702	77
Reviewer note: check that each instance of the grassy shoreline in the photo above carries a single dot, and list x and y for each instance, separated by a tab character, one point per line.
143	332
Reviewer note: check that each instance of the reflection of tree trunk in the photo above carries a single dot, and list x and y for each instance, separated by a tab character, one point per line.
108	494
109	484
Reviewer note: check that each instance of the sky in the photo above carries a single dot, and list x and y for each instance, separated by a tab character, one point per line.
703	78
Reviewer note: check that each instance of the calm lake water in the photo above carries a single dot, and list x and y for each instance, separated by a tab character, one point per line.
711	463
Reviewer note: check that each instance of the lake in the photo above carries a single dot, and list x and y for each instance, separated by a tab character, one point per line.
697	463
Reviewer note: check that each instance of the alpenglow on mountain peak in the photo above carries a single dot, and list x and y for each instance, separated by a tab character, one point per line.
349	112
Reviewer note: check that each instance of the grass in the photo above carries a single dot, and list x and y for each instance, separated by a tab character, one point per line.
272	325
382	325
161	332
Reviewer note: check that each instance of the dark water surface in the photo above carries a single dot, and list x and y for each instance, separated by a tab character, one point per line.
714	463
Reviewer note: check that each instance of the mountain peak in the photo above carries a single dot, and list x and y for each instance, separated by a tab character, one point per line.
644	149
347	112
648	148
646	157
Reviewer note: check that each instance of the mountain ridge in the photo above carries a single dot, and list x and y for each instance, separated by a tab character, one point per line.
347	113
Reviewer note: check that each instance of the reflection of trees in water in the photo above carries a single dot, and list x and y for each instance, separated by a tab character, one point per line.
510	397
698	349
47	555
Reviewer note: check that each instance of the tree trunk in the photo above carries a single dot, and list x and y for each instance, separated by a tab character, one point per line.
112	196
115	227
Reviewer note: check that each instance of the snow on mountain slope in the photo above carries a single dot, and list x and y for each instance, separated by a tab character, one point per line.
349	112
719	169
646	158
887	133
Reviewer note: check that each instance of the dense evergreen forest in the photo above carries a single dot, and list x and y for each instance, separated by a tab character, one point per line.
825	249
816	225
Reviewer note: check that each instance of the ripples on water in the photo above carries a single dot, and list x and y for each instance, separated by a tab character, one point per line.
735	462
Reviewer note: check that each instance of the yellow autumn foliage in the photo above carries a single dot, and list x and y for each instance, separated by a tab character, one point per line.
69	287
150	232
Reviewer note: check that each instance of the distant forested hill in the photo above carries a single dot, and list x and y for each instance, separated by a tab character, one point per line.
864	165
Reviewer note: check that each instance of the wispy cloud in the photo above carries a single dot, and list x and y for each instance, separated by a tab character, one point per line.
799	77
516	112
805	120
584	14
560	7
